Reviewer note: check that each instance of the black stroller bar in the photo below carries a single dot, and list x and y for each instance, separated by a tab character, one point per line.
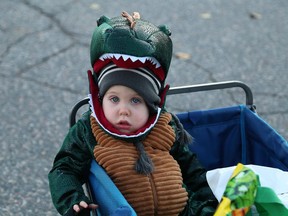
214	86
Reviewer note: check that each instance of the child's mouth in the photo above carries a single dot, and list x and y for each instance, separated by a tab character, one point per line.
123	125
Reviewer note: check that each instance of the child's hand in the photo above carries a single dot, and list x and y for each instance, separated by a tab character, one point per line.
77	208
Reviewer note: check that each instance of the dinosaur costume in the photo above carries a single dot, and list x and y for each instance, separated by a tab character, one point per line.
152	167
162	190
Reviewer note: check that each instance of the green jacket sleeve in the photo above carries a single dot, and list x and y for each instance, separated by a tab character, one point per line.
201	201
71	167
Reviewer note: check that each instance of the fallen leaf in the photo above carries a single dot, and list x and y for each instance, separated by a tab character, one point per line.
95	6
206	15
254	15
182	55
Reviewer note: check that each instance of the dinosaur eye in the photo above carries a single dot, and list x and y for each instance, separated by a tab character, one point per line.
109	30
165	30
102	19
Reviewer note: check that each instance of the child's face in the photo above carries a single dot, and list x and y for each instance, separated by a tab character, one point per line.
125	109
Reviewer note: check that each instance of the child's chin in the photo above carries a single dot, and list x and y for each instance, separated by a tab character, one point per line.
125	131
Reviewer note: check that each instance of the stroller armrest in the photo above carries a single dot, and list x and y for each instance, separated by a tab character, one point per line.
106	195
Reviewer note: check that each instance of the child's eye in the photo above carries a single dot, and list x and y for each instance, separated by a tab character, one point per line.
114	99
136	100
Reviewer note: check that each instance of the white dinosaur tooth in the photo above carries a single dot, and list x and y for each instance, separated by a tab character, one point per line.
155	62
125	57
152	60
117	56
104	56
134	58
143	59
157	65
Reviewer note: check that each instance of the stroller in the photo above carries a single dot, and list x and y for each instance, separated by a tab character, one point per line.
232	134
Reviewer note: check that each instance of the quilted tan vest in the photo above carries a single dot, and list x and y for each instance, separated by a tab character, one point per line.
159	193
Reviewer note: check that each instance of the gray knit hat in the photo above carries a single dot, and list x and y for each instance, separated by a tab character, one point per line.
140	80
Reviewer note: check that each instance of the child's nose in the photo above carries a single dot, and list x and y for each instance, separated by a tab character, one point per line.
124	110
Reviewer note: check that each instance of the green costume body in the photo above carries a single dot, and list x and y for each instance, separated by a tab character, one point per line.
72	163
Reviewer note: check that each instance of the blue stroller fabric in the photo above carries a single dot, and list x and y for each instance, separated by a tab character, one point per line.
105	193
226	136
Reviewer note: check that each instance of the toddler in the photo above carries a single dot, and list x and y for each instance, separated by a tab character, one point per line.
142	147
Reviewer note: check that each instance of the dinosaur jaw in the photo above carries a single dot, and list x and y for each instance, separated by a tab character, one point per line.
130	58
129	61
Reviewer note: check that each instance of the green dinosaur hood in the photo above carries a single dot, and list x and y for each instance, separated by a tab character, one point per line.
131	43
117	35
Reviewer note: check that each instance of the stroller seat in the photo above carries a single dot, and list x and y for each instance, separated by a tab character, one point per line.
222	137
